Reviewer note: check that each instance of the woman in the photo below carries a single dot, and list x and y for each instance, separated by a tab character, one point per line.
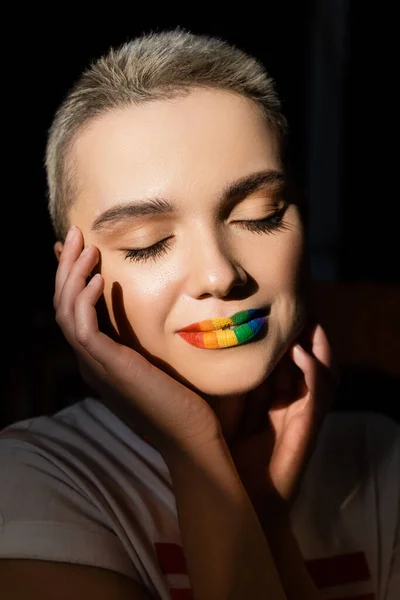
182	288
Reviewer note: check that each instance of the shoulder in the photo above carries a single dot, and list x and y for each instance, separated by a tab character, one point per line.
373	435
353	473
63	488
84	427
85	442
77	451
348	503
355	448
356	460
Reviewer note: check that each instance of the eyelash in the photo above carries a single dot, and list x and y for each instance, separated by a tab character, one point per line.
271	224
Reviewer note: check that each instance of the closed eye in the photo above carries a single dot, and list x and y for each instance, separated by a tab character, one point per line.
271	224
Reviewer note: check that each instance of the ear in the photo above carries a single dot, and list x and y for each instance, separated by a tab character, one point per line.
58	248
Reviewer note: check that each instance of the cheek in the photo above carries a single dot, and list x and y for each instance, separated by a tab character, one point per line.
281	265
137	301
290	307
292	260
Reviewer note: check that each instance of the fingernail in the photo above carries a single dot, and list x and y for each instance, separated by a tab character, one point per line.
71	234
94	279
298	348
86	249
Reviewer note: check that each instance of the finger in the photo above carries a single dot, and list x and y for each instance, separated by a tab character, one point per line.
319	386
71	250
64	296
86	327
323	352
73	286
68	326
307	364
116	358
321	347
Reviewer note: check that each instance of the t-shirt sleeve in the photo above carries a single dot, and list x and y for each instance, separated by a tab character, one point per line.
46	514
393	591
393	583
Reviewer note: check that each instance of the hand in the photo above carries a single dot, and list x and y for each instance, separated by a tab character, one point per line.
289	411
166	412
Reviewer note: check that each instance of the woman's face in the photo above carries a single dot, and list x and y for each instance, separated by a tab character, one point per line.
212	161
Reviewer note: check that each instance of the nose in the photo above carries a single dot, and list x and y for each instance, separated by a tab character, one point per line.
213	270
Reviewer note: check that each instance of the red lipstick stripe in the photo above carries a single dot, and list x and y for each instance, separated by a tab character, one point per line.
196	338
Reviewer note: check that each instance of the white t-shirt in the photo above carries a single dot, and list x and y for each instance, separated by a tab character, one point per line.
80	486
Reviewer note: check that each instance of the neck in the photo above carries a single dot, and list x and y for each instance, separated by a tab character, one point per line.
232	410
229	410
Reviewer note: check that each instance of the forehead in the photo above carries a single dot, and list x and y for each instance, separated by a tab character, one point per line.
183	148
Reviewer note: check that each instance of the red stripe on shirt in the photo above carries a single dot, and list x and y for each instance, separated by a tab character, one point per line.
186	594
325	572
171	558
338	570
181	594
362	597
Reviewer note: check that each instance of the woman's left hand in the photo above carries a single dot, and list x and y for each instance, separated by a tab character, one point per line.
282	424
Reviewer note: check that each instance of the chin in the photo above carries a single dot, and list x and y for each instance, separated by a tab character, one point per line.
222	389
227	374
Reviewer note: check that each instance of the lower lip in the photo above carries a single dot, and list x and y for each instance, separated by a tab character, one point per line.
224	338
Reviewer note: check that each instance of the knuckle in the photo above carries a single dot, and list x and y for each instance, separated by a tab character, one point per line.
61	317
82	336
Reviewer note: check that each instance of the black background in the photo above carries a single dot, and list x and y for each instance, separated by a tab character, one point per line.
45	52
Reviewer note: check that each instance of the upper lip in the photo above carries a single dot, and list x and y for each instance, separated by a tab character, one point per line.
196	326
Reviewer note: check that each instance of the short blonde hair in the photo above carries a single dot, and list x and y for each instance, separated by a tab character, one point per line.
153	66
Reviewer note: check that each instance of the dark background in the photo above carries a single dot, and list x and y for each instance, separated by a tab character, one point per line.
333	62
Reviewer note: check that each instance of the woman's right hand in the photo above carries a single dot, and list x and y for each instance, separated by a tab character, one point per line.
160	408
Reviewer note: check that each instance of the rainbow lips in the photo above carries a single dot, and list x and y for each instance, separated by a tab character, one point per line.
211	334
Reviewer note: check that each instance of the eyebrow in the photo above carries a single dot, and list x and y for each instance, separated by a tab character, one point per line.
155	207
